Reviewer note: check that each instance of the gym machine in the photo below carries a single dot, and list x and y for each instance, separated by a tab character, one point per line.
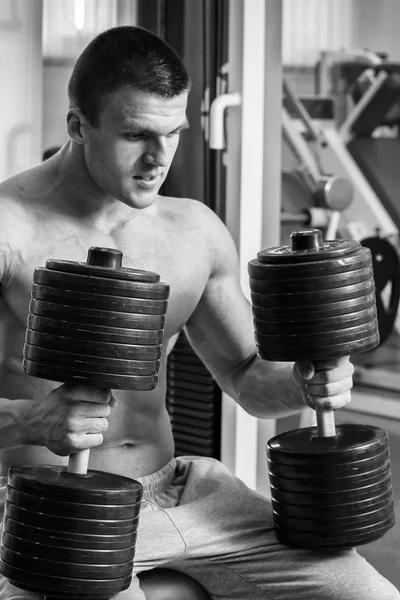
361	219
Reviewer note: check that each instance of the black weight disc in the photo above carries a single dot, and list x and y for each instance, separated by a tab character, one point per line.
325	498
335	525
90	363
69	539
83	268
84	589
330	484
260	270
72	509
311	345
301	299
99	301
312	327
106	380
325	338
96	317
65	554
310	284
322	352
84	347
331	249
73	570
305	467
305	447
386	267
333	510
101	285
344	540
314	312
58	523
96	333
95	487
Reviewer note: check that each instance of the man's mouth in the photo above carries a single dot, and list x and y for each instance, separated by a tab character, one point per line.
148	176
147	181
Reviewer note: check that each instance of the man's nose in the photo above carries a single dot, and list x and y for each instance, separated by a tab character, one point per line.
157	155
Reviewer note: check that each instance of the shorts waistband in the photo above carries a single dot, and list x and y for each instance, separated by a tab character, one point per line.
158	481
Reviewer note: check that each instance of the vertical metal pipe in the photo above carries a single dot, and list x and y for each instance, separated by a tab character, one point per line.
271	186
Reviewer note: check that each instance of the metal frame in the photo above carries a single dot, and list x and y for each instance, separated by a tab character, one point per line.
253	191
345	128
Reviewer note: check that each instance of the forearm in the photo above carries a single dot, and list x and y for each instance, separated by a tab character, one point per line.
266	389
17	423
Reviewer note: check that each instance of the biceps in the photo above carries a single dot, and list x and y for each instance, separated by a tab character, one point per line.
221	328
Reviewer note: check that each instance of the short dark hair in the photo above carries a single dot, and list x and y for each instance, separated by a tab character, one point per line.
122	57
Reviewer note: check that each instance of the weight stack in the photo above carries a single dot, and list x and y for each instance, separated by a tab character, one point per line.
193	403
330	486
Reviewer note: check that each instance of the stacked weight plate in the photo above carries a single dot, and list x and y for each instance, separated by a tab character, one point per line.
89	322
313	301
193	402
69	535
319	300
331	492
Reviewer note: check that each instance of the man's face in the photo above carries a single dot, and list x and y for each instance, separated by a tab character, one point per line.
128	154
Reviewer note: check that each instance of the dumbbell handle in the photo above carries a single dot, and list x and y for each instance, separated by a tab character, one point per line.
79	462
325	422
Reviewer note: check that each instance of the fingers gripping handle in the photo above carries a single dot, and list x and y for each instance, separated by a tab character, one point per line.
325	416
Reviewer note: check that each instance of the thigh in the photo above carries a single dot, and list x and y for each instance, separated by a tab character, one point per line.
217	512
232	551
277	572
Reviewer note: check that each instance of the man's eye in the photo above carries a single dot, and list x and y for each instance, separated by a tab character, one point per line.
133	136
174	133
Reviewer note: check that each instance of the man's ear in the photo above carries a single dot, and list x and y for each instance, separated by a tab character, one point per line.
76	123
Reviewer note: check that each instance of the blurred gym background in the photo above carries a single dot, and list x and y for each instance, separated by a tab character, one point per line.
295	114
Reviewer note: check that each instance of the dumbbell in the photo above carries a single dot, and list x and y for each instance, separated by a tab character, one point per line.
71	532
330	485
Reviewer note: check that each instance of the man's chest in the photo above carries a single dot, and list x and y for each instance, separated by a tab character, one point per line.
180	262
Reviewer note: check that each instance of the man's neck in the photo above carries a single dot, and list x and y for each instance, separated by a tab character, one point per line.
78	195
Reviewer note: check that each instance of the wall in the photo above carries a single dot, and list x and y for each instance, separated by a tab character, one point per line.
55	101
376	26
62	45
21	69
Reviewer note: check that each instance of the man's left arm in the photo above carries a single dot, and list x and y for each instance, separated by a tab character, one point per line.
221	331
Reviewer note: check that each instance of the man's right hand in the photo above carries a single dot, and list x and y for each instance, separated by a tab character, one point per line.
72	418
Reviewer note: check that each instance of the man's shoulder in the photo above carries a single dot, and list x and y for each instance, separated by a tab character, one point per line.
20	187
17	199
18	193
203	227
190	213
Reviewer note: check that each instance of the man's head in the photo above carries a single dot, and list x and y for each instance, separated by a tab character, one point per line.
125	57
128	95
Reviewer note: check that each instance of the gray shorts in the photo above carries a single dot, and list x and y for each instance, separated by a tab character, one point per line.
197	518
